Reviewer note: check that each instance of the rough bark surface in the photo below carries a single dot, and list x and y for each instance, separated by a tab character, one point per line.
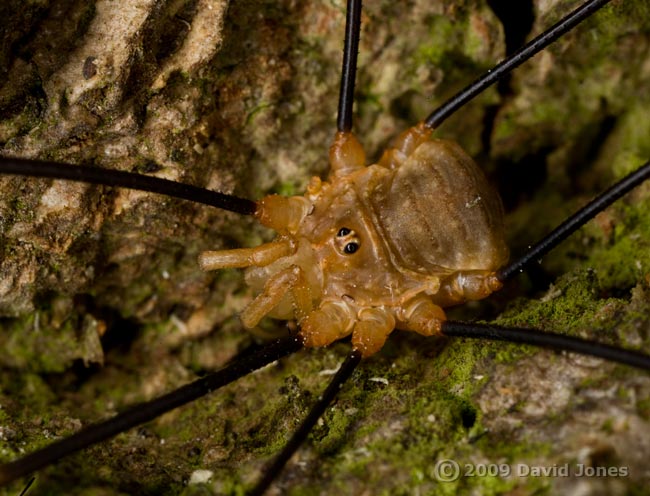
102	303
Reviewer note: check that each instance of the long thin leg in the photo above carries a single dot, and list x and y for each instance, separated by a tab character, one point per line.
94	175
546	339
144	412
349	68
346	153
577	220
308	424
439	115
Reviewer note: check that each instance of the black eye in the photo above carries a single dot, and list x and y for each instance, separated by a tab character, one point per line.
344	231
351	248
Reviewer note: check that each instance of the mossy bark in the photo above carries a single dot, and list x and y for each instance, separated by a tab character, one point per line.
240	97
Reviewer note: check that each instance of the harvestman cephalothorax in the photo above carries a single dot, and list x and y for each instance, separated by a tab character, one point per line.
411	414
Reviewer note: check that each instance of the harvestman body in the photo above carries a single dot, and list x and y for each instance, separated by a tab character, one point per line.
376	247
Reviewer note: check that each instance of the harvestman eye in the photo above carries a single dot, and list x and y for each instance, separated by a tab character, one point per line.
351	248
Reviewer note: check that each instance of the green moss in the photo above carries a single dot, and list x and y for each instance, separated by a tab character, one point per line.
436	51
624	261
260	107
572	300
34	344
286	189
644	408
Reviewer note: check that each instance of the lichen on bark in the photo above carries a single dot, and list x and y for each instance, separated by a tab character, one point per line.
240	96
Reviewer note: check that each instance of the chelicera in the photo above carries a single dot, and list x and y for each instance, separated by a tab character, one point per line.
392	378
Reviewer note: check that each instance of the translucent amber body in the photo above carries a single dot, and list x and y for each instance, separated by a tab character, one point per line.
376	247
